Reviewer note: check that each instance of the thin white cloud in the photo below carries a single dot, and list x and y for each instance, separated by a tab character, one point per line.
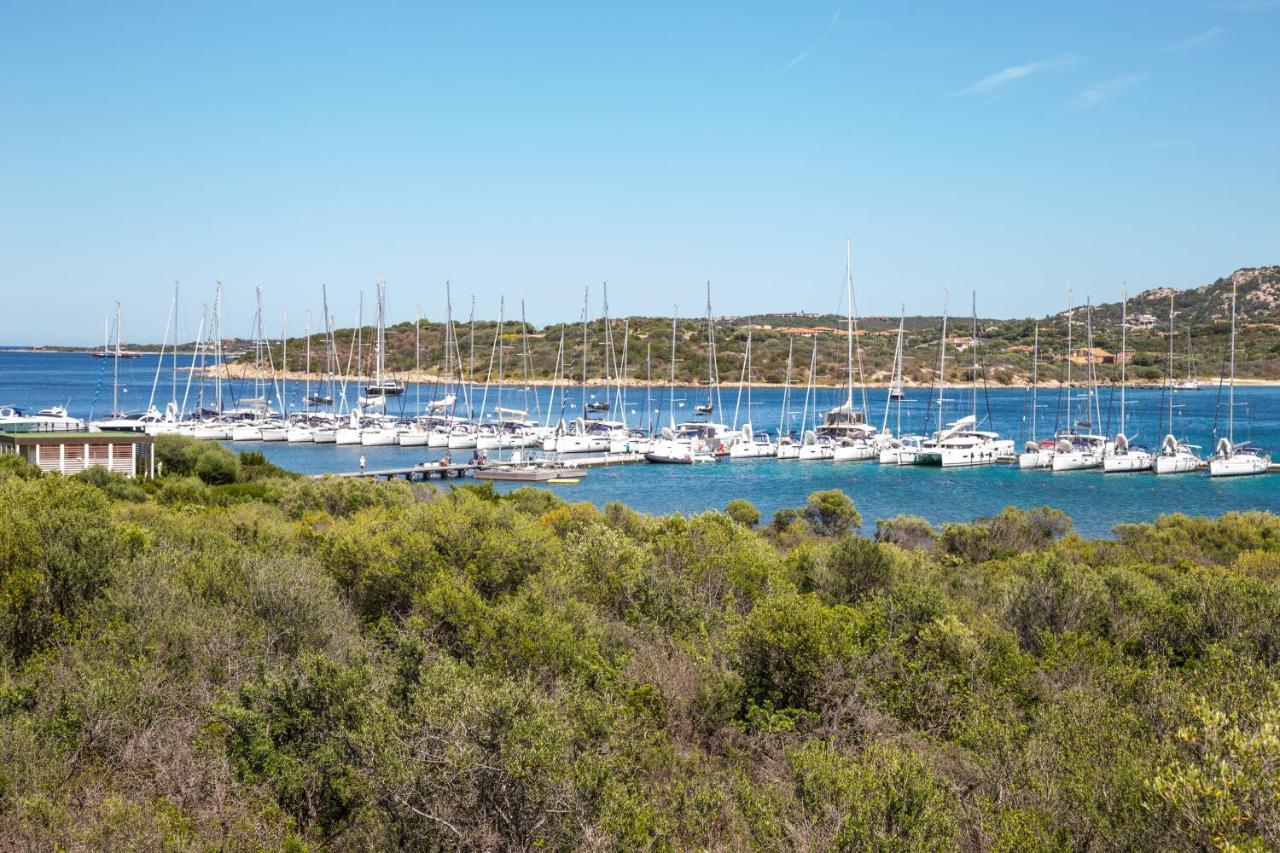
825	34
1210	35
1091	96
994	84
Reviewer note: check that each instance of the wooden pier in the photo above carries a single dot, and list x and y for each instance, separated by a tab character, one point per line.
413	473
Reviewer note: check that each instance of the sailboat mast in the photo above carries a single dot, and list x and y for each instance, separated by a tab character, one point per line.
671	385
973	345
1231	389
942	357
1071	424
1169	380
1035	381
711	350
1124	348
586	295
786	387
115	377
848	317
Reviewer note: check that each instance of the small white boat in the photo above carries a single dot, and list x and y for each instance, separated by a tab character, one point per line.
816	448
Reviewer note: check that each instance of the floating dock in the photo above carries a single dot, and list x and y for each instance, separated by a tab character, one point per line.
411	473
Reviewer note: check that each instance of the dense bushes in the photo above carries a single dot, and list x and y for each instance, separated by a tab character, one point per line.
254	661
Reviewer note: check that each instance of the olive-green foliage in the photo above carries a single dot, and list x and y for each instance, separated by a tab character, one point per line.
831	513
743	511
12	465
113	483
338	664
58	547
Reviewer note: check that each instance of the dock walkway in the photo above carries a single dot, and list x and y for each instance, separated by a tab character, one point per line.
411	473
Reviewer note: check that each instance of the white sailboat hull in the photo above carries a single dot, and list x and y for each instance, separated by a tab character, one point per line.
987	453
378	437
346	435
324	435
1076	460
751	450
246	433
1238	465
863	452
1032	460
299	435
413	438
274	433
1128	462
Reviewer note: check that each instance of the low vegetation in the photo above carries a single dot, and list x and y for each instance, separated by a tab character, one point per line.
234	658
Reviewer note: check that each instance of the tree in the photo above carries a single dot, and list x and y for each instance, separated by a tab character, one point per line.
831	513
743	511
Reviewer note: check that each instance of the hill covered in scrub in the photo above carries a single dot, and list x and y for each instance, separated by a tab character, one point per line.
641	346
234	658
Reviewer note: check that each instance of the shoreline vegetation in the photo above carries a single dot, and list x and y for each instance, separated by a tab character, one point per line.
237	657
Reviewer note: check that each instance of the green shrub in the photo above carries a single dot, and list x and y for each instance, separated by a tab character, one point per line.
743	512
831	513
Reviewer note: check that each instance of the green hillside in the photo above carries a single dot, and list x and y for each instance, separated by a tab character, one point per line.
1202	311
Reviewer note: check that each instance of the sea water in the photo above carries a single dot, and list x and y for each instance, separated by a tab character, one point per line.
1096	502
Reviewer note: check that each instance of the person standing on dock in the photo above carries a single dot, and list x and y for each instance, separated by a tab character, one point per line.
361	463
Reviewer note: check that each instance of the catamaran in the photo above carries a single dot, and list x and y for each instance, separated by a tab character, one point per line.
1231	459
962	444
1125	456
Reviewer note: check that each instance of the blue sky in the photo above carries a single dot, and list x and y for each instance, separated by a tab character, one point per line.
532	149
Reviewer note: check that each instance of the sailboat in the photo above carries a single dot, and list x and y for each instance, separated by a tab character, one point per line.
1190	383
961	444
853	438
890	442
788	447
753	444
718	437
1230	459
813	447
1078	451
1125	456
1037	454
380	430
383	385
911	448
676	445
300	429
1175	456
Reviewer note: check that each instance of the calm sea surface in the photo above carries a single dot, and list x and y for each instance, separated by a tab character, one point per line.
1094	501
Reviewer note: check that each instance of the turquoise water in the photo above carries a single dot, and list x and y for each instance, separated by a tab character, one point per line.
1095	502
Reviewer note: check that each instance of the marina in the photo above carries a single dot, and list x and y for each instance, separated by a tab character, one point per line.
1095	500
